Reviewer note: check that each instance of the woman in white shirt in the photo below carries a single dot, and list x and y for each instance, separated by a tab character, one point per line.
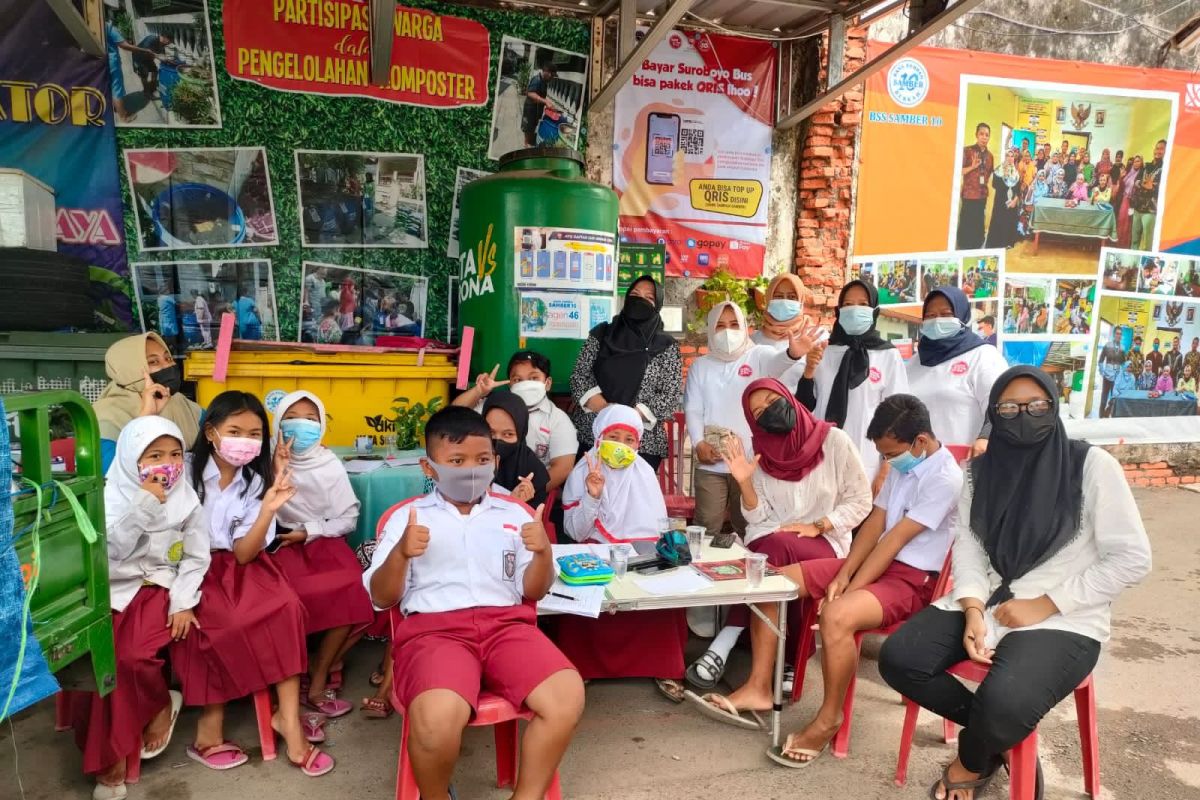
953	372
784	314
1048	536
858	370
803	492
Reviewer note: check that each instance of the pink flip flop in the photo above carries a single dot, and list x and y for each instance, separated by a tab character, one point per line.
331	706
313	723
315	763
225	755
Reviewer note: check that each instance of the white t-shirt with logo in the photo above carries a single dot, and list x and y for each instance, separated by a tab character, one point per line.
885	377
956	392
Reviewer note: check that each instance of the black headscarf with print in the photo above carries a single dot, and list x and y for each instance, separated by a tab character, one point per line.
628	344
516	459
856	361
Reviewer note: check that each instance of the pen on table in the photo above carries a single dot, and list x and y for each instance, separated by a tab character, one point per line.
563	596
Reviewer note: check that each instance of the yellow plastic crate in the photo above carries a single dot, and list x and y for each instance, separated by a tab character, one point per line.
358	389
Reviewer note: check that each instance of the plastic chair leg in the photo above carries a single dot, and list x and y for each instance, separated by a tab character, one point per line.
62	712
800	661
949	732
1023	780
911	712
1089	740
555	790
406	782
266	734
507	753
841	739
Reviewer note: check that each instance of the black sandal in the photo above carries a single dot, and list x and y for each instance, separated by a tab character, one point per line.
976	786
713	664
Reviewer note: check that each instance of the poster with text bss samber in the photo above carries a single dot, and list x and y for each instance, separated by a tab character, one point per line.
692	155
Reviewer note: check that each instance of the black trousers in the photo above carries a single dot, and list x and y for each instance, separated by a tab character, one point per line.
1105	394
1031	673
970	224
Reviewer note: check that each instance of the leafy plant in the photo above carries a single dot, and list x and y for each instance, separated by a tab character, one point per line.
722	286
192	101
410	420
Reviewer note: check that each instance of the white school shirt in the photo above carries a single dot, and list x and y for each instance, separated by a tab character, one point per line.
231	514
473	561
790	378
551	433
885	377
956	392
837	489
1110	553
714	393
174	559
928	495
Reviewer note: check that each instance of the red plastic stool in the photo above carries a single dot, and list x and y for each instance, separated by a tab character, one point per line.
495	711
1023	760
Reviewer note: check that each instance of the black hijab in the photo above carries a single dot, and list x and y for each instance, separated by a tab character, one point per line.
516	459
1027	486
856	362
628	344
934	351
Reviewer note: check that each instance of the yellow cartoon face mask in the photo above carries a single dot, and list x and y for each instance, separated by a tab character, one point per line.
616	455
175	552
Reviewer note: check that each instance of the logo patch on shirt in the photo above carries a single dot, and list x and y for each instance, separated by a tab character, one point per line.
875	375
959	368
510	564
175	552
744	371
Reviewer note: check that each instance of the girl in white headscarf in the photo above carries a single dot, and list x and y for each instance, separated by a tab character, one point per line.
158	552
314	555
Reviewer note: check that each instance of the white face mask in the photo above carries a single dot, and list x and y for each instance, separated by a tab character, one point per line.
728	340
940	327
531	392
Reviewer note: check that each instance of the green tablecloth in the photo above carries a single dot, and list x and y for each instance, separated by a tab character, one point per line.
1138	403
1051	215
381	489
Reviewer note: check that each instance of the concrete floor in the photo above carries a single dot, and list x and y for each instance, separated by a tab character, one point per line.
633	745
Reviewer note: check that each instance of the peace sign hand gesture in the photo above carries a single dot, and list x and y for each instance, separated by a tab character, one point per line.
740	467
486	381
283	455
595	478
280	492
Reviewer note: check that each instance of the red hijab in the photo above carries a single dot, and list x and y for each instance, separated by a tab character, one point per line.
789	456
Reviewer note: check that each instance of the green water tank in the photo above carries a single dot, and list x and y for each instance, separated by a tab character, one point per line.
537	268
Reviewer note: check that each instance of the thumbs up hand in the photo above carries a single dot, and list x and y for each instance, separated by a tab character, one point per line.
533	533
415	541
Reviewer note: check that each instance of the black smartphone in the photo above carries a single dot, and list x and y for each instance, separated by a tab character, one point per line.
275	544
724	540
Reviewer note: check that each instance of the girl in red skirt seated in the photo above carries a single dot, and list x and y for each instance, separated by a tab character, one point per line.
250	624
613	497
314	557
157	556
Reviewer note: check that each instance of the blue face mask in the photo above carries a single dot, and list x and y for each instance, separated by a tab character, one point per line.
856	320
906	462
783	310
304	434
940	327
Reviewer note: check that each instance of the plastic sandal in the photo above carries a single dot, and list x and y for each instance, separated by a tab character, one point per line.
374	708
225	755
727	713
713	664
331	706
976	786
670	689
779	755
176	705
313	723
103	791
315	763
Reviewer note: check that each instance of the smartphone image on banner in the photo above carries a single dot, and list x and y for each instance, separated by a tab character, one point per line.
662	140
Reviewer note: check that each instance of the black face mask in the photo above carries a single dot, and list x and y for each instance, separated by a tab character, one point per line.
779	417
1024	430
506	450
169	377
638	309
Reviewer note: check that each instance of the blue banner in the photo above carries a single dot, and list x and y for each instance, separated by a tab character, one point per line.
56	124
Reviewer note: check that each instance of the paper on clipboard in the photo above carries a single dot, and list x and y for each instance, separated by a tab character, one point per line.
586	600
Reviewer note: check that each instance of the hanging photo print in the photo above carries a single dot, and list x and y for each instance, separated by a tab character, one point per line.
361	199
345	305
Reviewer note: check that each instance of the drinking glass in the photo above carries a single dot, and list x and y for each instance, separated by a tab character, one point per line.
756	568
695	539
619	560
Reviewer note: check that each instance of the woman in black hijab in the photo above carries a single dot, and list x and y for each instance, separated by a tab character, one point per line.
630	361
520	470
1048	536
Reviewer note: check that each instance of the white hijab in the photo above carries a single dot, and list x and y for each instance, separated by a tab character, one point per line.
632	503
714	316
121	484
322	485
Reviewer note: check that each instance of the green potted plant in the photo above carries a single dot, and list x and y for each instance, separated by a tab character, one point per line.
721	286
409	420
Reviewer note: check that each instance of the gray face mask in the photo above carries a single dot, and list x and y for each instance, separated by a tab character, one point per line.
463	484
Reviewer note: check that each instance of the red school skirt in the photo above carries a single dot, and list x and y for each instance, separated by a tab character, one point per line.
630	644
251	635
109	729
325	574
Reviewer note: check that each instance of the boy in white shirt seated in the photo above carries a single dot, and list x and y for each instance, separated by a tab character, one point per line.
893	563
467	568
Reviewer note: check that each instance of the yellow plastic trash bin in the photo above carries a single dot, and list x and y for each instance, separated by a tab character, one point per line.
358	388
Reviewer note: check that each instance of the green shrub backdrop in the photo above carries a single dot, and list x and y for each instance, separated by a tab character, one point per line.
254	116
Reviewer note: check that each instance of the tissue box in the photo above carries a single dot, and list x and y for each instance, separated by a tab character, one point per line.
26	212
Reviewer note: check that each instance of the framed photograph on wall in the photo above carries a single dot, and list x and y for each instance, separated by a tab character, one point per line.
347	305
1101	115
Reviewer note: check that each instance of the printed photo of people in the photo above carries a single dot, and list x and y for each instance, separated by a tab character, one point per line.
864	272
184	301
1053	188
160	63
1156	275
981	275
346	305
897	281
1073	303
1065	362
361	199
201	197
936	274
1149	358
1120	270
539	97
1026	305
1187	277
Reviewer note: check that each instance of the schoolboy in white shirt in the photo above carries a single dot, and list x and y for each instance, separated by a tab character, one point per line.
467	567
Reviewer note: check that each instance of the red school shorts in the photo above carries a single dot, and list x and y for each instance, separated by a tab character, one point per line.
901	590
497	649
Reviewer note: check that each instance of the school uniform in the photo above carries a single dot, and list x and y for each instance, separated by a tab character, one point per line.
551	432
251	623
927	495
157	557
956	392
322	570
466	622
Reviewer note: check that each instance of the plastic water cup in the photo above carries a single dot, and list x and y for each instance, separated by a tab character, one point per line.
695	539
619	560
664	525
756	568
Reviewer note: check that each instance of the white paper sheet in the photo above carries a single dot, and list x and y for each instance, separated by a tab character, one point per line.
359	465
683	580
586	600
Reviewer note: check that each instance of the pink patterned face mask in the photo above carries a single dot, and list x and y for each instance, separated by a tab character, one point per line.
165	474
238	450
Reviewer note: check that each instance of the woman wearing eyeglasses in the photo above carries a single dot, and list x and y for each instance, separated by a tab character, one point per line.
953	371
1048	536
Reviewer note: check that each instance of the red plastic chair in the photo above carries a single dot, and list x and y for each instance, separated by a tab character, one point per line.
1023	759
551	531
64	449
670	471
492	711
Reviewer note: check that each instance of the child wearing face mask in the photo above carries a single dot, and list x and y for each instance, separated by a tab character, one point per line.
466	568
732	362
313	554
250	623
157	557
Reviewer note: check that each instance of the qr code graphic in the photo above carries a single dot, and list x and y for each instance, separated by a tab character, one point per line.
662	146
691	141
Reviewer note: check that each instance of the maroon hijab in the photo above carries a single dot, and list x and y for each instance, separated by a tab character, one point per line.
790	456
